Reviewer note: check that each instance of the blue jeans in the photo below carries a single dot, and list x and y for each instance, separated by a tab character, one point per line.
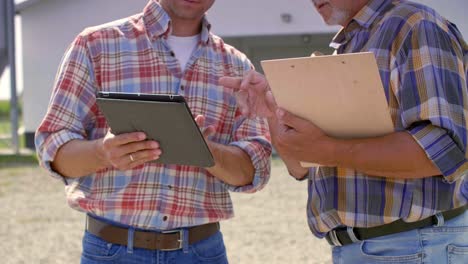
209	251
438	245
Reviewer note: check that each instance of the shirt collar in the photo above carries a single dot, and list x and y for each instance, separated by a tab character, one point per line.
369	13
158	22
364	18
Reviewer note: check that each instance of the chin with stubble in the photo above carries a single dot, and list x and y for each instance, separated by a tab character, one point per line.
331	14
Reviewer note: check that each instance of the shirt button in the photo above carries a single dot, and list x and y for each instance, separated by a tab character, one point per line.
182	87
165	218
172	54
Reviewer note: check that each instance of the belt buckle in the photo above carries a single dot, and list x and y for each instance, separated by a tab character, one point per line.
334	238
180	240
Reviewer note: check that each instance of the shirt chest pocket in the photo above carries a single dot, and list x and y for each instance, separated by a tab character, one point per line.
218	105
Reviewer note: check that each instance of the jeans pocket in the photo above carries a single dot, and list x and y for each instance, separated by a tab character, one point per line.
211	250
378	252
95	248
457	254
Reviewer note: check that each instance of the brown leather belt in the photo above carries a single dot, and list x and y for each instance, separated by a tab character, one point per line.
166	240
343	235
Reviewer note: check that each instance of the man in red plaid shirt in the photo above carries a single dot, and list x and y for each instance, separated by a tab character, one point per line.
139	211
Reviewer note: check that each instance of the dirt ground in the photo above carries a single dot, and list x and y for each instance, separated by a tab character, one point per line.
37	226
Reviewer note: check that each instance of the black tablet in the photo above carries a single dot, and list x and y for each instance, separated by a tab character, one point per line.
165	118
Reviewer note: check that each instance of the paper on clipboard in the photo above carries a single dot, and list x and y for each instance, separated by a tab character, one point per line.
341	94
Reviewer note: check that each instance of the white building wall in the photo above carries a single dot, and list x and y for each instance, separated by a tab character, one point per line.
5	87
264	17
50	25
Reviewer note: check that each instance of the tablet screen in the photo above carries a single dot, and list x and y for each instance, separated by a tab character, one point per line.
163	117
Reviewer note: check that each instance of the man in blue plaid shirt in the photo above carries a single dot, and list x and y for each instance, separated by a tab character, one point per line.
399	198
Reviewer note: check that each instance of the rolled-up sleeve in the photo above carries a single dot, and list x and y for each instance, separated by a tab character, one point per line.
433	96
69	111
252	136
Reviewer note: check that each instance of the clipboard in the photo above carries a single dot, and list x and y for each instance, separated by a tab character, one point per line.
341	94
164	118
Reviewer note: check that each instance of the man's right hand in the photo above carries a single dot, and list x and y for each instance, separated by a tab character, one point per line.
127	151
254	98
253	94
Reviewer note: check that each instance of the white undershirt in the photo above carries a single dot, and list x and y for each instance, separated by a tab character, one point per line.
183	48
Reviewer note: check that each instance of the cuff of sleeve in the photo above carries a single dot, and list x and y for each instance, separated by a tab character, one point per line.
259	152
49	148
441	149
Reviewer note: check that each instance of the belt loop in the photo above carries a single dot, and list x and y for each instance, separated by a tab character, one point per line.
185	240
131	235
440	219
334	238
351	234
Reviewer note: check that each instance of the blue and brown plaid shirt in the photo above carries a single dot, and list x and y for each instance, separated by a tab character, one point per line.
422	59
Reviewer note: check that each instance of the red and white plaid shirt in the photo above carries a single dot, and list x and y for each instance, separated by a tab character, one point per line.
132	55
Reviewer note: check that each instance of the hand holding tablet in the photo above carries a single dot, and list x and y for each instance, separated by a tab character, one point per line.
163	118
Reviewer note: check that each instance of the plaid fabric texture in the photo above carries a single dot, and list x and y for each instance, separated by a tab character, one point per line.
132	55
422	59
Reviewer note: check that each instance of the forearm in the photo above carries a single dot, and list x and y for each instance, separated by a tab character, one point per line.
396	155
232	165
78	158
